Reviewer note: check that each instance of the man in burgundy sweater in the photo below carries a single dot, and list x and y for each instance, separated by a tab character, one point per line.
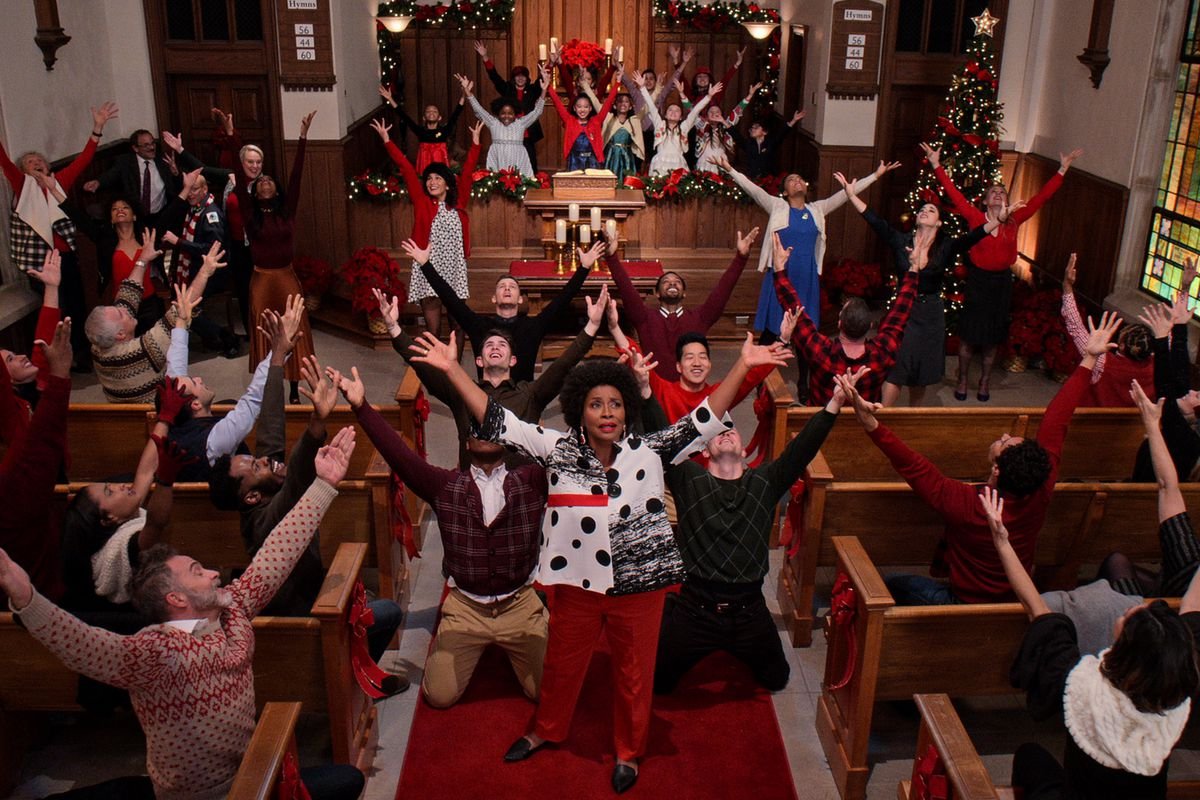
490	518
1024	471
658	329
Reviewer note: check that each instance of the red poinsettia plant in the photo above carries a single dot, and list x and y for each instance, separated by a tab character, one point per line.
372	268
854	279
584	55
315	274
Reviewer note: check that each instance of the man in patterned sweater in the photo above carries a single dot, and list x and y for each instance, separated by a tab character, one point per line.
190	677
130	366
725	516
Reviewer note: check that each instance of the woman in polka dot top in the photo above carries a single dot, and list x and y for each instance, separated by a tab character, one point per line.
607	545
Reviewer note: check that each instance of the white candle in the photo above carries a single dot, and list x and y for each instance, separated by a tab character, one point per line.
585	234
620	54
541	52
560	231
610	227
608	47
573	212
553	44
595	218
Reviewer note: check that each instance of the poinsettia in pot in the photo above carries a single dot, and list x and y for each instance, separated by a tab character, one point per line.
372	268
316	278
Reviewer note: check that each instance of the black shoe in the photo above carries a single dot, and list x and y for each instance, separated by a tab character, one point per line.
623	778
521	749
393	685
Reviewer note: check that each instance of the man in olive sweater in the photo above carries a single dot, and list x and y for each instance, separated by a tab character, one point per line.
725	515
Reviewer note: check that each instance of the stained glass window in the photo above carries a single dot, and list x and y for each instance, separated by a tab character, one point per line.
1175	220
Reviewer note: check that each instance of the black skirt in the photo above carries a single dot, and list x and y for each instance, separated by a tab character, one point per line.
984	318
921	360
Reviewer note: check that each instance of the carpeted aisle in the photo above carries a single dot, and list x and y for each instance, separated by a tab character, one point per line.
715	737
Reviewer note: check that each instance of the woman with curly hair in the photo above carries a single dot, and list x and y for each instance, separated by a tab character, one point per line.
607	545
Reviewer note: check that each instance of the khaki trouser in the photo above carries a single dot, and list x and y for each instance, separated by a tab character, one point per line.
517	624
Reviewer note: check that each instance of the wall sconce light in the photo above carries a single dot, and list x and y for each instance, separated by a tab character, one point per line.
760	30
395	24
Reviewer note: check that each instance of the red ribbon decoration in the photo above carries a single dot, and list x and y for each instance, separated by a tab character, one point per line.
368	674
842	609
290	785
758	442
793	528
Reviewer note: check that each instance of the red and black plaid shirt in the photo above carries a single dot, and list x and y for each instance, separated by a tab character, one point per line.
825	356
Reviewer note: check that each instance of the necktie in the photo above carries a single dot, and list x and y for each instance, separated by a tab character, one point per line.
146	187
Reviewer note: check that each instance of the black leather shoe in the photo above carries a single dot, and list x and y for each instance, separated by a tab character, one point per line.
394	685
623	778
521	749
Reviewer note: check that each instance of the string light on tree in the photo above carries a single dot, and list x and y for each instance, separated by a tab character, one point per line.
968	134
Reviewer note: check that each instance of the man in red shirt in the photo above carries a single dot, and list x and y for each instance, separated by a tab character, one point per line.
1023	470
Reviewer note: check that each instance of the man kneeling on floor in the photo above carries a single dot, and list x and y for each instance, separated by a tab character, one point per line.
725	516
490	518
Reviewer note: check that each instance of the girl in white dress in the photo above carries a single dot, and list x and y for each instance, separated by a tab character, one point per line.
508	130
671	134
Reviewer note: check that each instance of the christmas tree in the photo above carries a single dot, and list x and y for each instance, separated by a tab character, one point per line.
968	134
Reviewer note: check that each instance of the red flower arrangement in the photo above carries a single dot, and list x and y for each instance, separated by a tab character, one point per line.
371	268
315	274
584	55
854	279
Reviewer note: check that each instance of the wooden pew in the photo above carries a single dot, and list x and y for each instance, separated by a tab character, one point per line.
1084	523
899	651
106	439
410	397
262	765
296	659
1100	446
967	776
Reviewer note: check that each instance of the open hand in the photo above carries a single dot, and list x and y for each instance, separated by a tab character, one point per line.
885	167
352	386
780	254
430	350
418	254
934	157
1157	318
1151	411
333	460
172	140
851	378
757	355
14	581
993	507
149	251
1069	276
51	272
58	351
590	256
306	123
172	399
787	325
1065	161
101	115
389	309
321	392
596	309
382	128
744	243
1100	336
172	458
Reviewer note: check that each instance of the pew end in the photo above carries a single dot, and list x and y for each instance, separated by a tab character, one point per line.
262	766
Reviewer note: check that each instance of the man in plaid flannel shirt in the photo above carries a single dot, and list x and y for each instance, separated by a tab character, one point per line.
851	349
490	519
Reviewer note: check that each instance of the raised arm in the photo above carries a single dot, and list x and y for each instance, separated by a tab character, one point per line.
714	305
444	357
1014	570
293	187
418	474
473	324
1071	318
1053	430
562	300
482	113
550	382
959	204
1170	499
791	463
412	181
434	380
1047	191
634	304
838	199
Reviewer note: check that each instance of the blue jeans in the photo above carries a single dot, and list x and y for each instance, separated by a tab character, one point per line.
388	617
920	590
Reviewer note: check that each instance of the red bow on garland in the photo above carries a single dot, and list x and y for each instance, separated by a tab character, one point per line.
290	785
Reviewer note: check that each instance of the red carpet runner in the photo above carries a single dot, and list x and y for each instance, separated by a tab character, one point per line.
715	737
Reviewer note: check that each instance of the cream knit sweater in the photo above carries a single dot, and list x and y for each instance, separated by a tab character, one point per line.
193	692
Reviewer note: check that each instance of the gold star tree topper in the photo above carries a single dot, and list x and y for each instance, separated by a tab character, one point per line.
984	23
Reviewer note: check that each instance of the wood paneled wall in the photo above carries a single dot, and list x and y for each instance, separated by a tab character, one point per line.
1085	216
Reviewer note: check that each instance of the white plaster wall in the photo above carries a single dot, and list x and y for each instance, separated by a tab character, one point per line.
107	58
356	58
1070	113
832	122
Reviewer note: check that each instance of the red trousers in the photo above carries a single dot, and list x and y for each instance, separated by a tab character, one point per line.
577	617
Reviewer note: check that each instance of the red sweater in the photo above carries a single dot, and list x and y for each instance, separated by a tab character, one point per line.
424	208
678	402
976	574
997	251
66	179
594	127
27	477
